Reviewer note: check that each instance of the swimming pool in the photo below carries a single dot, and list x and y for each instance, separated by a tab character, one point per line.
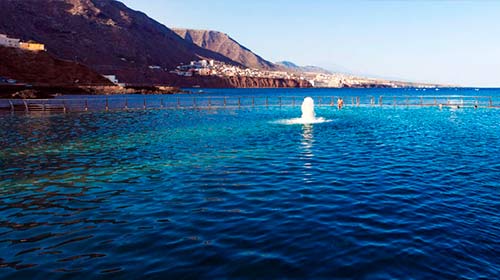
377	192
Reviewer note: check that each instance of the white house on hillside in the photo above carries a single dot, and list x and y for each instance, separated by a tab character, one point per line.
9	42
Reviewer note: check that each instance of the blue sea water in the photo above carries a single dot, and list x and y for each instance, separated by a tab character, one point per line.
376	193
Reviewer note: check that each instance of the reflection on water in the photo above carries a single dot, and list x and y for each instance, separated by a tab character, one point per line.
307	152
307	139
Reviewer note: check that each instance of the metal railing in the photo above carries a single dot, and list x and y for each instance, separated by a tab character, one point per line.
146	102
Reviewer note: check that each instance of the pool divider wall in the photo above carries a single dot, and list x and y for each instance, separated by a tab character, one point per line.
209	102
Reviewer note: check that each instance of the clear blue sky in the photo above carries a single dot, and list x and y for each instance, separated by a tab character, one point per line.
453	42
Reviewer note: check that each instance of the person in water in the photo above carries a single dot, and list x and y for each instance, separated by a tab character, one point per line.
340	103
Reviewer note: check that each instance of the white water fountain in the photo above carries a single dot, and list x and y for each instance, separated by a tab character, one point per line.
308	114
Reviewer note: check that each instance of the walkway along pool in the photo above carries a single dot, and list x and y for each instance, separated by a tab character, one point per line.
65	104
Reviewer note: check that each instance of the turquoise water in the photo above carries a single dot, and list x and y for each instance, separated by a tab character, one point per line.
376	193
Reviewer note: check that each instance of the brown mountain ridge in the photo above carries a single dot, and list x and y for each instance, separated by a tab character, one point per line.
223	44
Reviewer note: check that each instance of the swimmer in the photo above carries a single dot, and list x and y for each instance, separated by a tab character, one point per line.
340	103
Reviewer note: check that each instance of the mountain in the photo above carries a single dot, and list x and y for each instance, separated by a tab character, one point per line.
223	44
290	66
41	68
103	34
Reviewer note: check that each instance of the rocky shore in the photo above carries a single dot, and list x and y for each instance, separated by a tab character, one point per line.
46	92
236	82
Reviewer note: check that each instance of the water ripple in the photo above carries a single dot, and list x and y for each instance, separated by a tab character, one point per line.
375	193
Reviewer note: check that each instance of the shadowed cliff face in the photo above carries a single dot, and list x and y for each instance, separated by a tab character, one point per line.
103	34
40	68
227	46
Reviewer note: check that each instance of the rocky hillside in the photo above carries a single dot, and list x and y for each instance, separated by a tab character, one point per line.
223	44
41	68
103	34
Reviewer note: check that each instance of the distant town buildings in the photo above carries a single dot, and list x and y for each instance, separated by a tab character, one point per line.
340	80
329	80
216	68
16	43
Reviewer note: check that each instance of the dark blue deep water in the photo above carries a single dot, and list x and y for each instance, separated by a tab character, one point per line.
377	193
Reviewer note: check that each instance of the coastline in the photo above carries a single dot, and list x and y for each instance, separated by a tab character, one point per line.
50	91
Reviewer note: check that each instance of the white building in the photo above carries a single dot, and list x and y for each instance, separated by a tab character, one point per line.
199	64
9	42
112	78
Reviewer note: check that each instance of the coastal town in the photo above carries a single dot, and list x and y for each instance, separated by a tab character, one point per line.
216	68
318	80
341	80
